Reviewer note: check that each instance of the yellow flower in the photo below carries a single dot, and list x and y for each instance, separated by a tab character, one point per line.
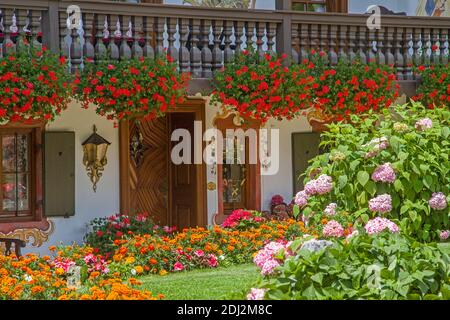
139	269
59	271
162	272
129	260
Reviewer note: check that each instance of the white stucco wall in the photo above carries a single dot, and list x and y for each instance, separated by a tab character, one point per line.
281	183
88	204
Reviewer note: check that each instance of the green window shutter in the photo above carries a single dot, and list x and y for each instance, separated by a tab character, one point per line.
59	173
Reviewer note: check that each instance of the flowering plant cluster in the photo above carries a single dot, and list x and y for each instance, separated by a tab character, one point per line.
271	256
104	230
327	269
262	87
198	247
139	86
398	169
32	277
434	90
241	218
347	89
34	85
379	224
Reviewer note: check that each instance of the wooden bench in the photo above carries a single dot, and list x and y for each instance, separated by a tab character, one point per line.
17	245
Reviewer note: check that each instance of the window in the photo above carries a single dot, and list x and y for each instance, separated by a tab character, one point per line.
320	5
20	174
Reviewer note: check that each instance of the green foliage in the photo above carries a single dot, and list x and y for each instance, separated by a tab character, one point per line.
385	266
420	160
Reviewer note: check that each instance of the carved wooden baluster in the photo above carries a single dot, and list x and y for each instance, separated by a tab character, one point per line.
305	48
217	57
171	30
185	56
407	56
196	55
116	38
443	48
417	46
380	55
64	37
88	48
435	39
206	51
21	22
314	37
332	55
159	30
295	42
102	37
138	39
11	32
343	37
426	47
227	31
390	59
76	47
238	32
324	41
361	54
27	27
148	39
249	29
127	37
260	31
398	56
352	43
271	34
370	54
36	28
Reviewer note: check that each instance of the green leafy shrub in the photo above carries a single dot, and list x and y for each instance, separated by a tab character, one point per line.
384	266
412	161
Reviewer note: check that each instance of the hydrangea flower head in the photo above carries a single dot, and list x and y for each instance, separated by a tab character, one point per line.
381	204
384	173
333	229
379	224
438	201
424	124
331	209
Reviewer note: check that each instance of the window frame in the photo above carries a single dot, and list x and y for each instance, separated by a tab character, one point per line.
35	165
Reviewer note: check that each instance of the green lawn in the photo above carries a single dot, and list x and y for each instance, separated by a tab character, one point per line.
204	284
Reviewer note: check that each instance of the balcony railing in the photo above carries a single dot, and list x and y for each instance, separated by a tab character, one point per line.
201	39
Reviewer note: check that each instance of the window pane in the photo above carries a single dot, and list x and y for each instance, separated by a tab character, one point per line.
233	182
23	192
9	192
9	153
22	152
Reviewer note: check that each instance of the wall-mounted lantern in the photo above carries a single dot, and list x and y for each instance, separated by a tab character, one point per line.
94	158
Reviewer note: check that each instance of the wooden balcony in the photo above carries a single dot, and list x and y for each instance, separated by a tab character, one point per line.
201	39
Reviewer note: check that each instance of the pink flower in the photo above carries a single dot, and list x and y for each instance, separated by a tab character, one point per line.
276	200
377	145
331	209
381	204
333	229
212	260
178	266
199	253
424	124
384	173
444	234
89	258
64	263
379	224
438	201
256	294
301	199
269	267
322	185
267	258
351	235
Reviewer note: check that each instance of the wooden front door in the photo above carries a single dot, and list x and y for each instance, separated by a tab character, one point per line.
183	184
171	194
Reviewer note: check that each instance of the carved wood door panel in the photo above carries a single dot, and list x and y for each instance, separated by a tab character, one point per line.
149	178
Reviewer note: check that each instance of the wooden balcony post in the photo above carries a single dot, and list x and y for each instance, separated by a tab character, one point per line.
284	30
50	27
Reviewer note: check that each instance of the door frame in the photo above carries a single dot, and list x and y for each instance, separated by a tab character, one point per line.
196	106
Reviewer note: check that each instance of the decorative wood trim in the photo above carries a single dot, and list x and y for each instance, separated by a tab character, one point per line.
39	232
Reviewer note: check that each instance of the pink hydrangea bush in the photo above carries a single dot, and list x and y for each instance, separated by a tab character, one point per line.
320	186
256	294
438	201
301	198
381	204
267	259
384	173
330	209
380	224
333	229
376	146
424	124
443	235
